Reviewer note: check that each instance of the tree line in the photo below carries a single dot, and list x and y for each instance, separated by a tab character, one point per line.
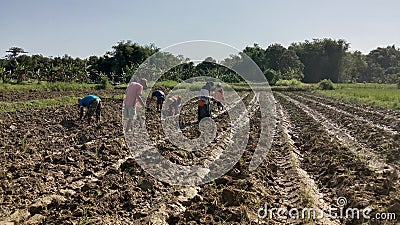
308	61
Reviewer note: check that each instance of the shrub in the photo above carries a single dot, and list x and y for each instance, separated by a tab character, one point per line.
104	83
326	84
272	76
291	82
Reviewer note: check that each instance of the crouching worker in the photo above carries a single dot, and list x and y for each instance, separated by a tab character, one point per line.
204	106
132	95
93	105
174	103
160	98
219	96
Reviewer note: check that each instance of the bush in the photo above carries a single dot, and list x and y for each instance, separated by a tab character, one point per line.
104	83
272	76
326	84
291	82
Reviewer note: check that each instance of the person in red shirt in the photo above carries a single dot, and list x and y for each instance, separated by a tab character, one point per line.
133	93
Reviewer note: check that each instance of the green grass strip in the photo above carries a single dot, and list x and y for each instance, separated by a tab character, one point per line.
387	98
365	86
44	86
37	104
46	103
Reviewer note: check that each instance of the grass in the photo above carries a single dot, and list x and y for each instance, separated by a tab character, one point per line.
45	103
365	86
293	85
170	84
383	95
167	84
386	96
37	104
44	86
292	82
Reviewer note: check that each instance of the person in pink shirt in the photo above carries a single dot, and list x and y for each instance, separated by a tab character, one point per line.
133	93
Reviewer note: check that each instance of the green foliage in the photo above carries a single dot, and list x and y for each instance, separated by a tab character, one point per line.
365	86
104	83
276	60
45	86
308	61
2	73
127	53
354	67
383	66
291	82
15	51
272	76
322	58
36	104
47	103
326	84
383	97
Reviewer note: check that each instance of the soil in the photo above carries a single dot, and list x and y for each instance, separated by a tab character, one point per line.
55	169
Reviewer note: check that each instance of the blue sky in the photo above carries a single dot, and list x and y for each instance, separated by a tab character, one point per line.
81	28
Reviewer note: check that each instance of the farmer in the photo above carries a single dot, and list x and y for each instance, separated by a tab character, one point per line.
204	106
160	98
93	104
174	103
133	93
219	96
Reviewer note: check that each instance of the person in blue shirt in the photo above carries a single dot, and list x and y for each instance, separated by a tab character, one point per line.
160	98
93	105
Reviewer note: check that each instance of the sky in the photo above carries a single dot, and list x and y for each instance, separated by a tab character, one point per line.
81	28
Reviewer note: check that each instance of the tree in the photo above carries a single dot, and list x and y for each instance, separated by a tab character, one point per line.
16	69
276	61
272	76
257	54
208	67
128	53
285	61
231	65
322	58
3	63
383	65
14	52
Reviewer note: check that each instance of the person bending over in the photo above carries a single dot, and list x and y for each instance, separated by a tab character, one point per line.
160	99
93	105
133	93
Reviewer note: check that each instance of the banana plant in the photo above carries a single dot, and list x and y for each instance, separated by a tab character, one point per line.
3	73
20	72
